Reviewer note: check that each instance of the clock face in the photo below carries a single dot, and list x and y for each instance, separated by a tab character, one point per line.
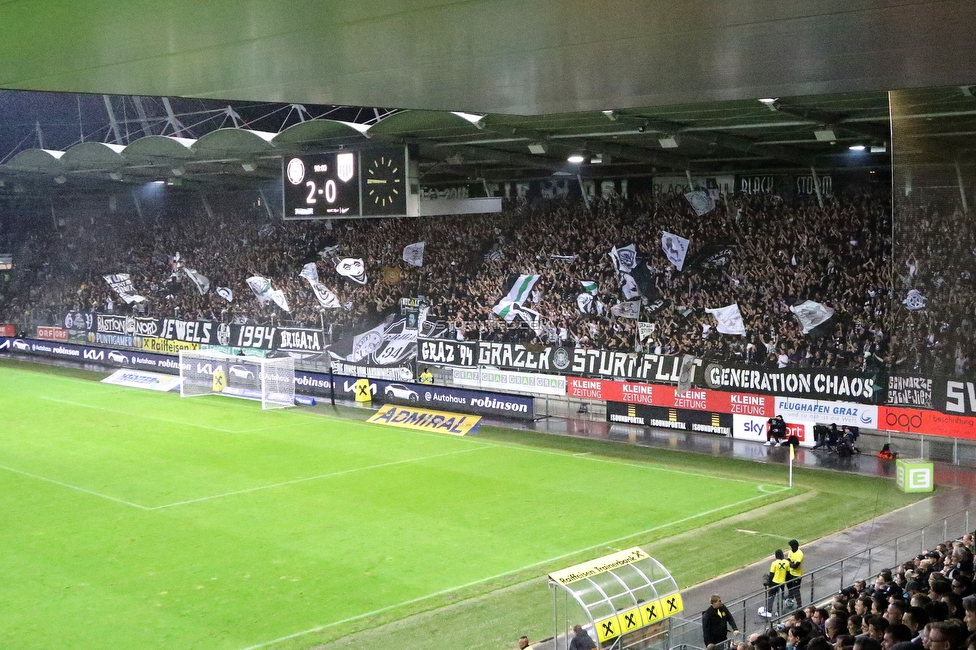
384	190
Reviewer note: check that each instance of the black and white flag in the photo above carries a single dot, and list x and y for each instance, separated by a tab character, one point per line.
915	300
122	285
624	259
584	302
701	201
628	286
225	293
675	248
352	268
413	254
200	281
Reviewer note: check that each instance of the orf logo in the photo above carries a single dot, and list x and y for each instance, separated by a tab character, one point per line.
797	430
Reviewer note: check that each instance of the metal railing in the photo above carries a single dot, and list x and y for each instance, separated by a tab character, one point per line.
823	582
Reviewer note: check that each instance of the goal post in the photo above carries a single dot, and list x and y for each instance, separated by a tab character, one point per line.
268	380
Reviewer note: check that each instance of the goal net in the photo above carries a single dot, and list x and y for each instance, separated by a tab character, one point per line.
270	381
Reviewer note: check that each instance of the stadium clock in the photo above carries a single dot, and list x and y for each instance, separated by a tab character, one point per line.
384	182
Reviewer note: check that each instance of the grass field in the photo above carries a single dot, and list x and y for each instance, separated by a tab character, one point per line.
135	519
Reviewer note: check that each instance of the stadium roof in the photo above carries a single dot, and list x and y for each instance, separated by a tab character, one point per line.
745	136
613	82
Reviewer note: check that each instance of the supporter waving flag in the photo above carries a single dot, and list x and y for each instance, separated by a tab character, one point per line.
626	309
413	254
122	285
325	297
624	259
589	286
200	281
263	291
729	319
915	300
810	314
675	248
521	289
512	310
702	202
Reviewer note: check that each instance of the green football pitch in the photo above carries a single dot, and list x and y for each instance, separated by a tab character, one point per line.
134	519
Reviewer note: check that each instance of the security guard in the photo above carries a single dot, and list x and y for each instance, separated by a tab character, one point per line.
426	377
778	571
795	558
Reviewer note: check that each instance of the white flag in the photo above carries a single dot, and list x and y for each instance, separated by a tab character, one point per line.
325	297
701	201
684	375
413	254
624	259
261	287
645	330
201	281
626	309
729	319
914	301
278	296
810	314
675	248
310	273
225	293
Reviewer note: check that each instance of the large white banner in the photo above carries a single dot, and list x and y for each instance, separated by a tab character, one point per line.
825	412
504	380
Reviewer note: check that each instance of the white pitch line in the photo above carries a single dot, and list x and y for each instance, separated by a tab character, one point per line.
135	415
315	478
74	487
610	543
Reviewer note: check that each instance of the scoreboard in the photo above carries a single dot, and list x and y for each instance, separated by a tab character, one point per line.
350	184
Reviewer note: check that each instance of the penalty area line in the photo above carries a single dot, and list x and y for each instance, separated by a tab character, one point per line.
74	487
135	415
611	543
315	478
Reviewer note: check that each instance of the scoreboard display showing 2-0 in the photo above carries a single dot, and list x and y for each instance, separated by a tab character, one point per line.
350	183
321	186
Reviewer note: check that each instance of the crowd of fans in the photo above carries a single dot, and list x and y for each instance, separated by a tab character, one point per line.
779	253
928	603
935	246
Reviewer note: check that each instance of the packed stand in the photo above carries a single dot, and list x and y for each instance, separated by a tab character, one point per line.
782	253
927	603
